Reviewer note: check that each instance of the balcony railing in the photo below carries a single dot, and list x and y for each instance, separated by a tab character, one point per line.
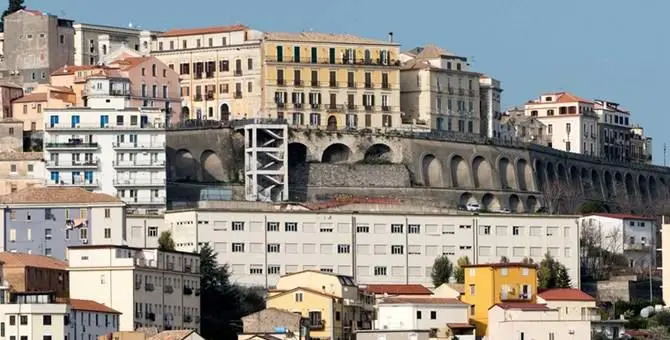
281	82
188	291
137	201
316	106
352	107
298	82
281	105
86	127
72	144
188	318
297	105
238	72
197	292
149	287
351	85
139	164
150	316
131	182
73	183
72	164
344	61
238	94
369	108
386	85
317	324
334	108
140	146
314	83
386	108
197	97
369	85
332	84
167	289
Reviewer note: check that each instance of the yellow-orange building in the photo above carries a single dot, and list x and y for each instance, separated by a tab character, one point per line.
489	284
332	303
331	81
29	108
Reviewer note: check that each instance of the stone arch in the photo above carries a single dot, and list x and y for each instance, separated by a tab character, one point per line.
540	176
185	113
490	202
212	167
524	174
297	154
653	188
664	188
185	165
642	184
466	198
609	185
506	173
630	186
331	124
225	112
336	153
482	173
515	204
562	175
551	172
619	185
460	173
595	181
574	177
378	153
532	204
586	181
431	171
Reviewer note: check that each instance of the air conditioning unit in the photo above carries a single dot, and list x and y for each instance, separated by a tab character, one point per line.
78	126
84	241
106	125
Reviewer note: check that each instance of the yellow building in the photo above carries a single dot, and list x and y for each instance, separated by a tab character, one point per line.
489	284
333	81
333	303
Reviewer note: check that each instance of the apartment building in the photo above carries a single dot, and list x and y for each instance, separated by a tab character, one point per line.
440	92
615	125
158	288
35	44
89	320
331	81
571	121
93	43
640	145
132	142
496	283
283	324
9	92
45	221
30	108
27	273
219	70
446	317
515	126
392	243
533	321
34	315
11	135
20	170
490	92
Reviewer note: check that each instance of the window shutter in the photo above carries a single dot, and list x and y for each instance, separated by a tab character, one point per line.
302	97
318	98
293	97
372	100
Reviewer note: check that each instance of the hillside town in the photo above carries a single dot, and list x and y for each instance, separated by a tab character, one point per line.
230	183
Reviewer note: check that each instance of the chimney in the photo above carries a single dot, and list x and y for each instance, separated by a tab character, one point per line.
391	37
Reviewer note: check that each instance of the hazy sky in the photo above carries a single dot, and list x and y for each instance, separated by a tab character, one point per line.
605	49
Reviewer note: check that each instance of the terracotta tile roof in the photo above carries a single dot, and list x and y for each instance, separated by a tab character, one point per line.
565	294
31	97
398	289
323	37
622	216
63	89
460	325
20	260
430	51
91	306
565	97
523	306
20	156
501	265
172	335
71	69
56	195
203	30
129	63
423	300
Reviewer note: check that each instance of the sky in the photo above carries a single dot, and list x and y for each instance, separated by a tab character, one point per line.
599	49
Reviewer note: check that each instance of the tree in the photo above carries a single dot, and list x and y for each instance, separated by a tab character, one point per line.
14	6
165	241
459	272
442	270
552	274
560	197
600	250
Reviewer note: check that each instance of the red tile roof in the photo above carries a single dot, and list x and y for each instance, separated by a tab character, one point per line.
31	98
21	260
522	306
423	300
565	97
203	30
565	294
460	325
398	289
129	63
91	306
623	216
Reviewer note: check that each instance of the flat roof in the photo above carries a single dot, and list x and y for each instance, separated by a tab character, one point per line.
106	246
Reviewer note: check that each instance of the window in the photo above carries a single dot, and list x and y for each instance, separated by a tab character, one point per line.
396	228
472	289
486	229
552	336
362	229
433	315
83	234
291	226
274	269
47	233
152	232
414	229
516	230
472	310
238	226
108	232
12	168
380	271
397	249
108	213
343	248
418	315
12	320
273	247
298	297
255	270
24	319
46	320
250	64
273	226
238	247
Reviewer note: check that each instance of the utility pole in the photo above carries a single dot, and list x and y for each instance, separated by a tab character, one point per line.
665	148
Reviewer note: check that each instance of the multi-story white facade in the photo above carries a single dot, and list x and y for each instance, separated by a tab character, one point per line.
89	320
33	316
490	92
615	125
93	43
533	321
398	244
422	313
116	151
151	288
571	121
219	70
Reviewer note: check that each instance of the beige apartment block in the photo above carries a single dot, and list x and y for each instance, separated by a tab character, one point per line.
219	70
438	91
20	170
331	81
29	108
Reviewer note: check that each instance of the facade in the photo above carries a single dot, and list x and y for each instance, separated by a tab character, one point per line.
93	43
615	130
27	273
331	81
8	93
35	45
489	284
393	243
34	316
144	230
640	146
571	121
630	235
219	70
533	321
30	108
445	317
276	322
45	221
89	320
20	170
159	288
516	126
490	92
11	135
440	92
132	142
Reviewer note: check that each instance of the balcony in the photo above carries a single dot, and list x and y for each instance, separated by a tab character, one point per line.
461	92
334	108
514	293
369	85
471	93
96	127
636	247
238	72
87	164
281	82
157	164
315	106
188	318
339	61
138	285
197	97
369	108
332	84
352	107
149	287
314	83
386	108
298	83
351	85
317	324
297	105
188	268
188	291
281	105
209	96
142	182
197	292
150	316
237	94
72	144
139	146
168	289
73	183
137	201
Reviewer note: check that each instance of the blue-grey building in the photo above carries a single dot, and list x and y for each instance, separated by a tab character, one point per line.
45	221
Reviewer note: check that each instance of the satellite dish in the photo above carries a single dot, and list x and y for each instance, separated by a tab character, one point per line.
647	311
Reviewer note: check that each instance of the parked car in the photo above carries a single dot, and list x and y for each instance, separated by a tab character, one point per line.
473	207
505	211
542	210
462	207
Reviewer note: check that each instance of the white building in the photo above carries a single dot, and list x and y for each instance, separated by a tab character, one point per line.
490	91
392	243
93	43
117	151
446	316
630	235
144	230
151	288
571	122
533	321
33	316
89	319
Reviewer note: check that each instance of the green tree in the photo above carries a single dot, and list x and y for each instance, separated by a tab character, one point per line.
459	272
562	277
504	259
442	270
552	274
165	241
527	260
14	6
